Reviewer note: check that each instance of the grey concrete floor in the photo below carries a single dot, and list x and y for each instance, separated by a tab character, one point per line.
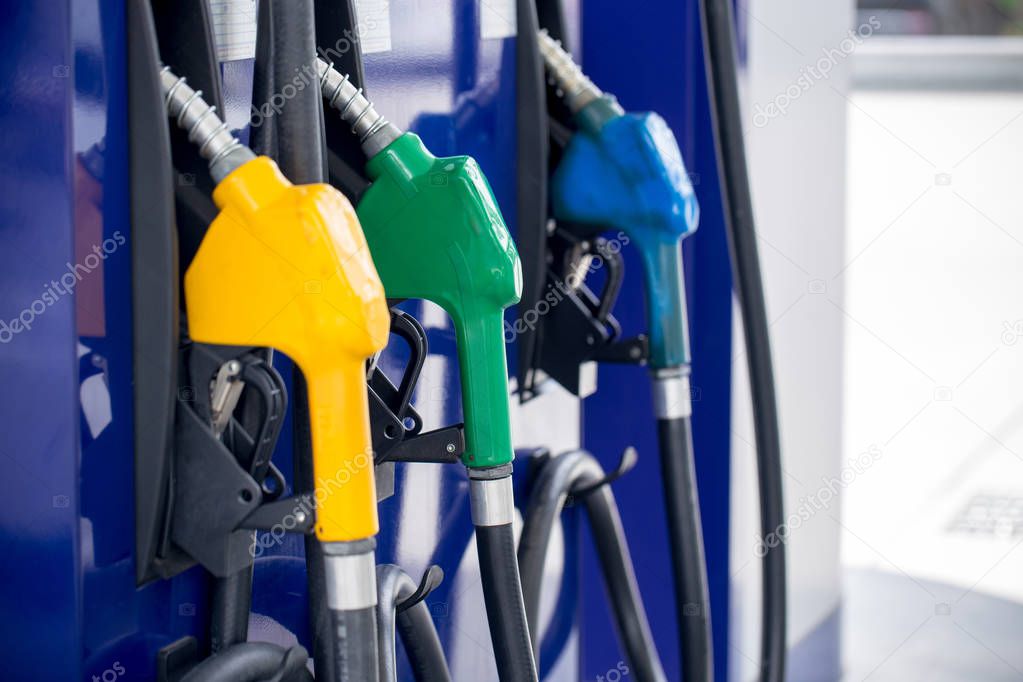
896	627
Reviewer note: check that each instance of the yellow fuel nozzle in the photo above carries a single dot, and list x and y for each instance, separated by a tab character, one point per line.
287	266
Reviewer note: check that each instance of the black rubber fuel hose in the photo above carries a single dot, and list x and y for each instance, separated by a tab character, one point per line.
492	515
689	568
253	662
354	644
414	625
229	611
299	125
560	476
720	57
502	594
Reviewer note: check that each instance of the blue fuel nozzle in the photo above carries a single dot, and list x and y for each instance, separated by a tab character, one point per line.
625	172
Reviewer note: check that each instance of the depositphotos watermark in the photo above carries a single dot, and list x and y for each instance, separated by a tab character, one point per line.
111	674
820	500
58	288
810	75
615	674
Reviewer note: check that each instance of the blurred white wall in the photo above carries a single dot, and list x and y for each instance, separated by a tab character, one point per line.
936	270
796	85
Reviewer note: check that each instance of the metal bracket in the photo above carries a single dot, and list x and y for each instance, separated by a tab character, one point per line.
579	328
627	351
222	481
440	446
212	496
626	464
300	509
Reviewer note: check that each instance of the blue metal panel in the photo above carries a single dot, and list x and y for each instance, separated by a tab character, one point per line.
651	59
40	608
67	509
70	605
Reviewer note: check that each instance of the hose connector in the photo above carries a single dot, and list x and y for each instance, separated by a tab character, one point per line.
351	575
577	90
205	129
672	393
373	130
491	496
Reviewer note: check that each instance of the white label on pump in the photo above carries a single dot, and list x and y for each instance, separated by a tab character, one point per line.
372	27
497	19
234	28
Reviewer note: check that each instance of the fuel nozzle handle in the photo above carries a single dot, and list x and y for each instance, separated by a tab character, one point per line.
285	266
436	233
625	171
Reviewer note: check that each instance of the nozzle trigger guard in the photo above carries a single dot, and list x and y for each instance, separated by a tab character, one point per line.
395	425
409	329
392	417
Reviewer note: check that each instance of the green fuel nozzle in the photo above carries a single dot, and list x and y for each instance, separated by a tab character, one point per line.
436	233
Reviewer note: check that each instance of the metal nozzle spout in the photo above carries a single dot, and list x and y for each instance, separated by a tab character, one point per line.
577	89
205	129
374	131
